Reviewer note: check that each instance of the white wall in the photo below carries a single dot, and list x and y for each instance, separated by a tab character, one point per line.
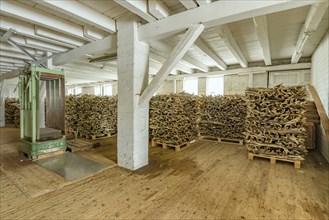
88	90
259	80
167	87
320	81
235	84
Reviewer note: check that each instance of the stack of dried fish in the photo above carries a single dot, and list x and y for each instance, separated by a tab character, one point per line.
91	115
222	116
275	123
173	118
11	110
71	113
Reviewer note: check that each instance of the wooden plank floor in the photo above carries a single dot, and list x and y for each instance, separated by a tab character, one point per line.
208	180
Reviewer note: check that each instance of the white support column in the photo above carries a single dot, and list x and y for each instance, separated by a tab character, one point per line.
132	79
2	106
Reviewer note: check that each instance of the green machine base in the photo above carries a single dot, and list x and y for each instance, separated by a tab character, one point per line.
44	148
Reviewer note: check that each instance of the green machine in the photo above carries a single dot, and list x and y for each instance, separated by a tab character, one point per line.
39	142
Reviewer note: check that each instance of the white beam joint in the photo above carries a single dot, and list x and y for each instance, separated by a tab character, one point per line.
203	2
7	35
158	9
181	48
189	4
138	7
212	15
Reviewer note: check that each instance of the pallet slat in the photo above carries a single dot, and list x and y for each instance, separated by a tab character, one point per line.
222	140
273	159
178	147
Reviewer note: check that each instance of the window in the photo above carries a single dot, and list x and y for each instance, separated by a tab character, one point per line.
107	89
190	85
70	91
215	85
77	90
97	90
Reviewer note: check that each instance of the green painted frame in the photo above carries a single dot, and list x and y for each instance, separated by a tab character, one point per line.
29	112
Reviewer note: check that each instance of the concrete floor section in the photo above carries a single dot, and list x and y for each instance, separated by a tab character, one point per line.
71	166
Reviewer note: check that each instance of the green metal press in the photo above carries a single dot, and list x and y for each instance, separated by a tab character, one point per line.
36	142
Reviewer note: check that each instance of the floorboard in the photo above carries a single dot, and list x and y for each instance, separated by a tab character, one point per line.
208	180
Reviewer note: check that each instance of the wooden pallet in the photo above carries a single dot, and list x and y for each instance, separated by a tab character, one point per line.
178	147
273	159
98	136
80	145
223	140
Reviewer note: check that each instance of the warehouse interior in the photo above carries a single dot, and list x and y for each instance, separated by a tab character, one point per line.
164	109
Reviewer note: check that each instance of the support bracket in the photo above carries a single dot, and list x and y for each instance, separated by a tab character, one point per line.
176	55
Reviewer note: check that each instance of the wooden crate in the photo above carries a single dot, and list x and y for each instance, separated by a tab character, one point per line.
273	159
178	147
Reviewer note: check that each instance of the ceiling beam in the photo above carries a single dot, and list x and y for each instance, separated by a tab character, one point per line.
176	55
164	49
205	48
29	14
14	55
11	60
83	13
158	9
37	44
248	70
32	31
189	4
8	67
214	14
138	7
160	59
203	2
263	37
226	35
313	19
8	47
10	64
108	44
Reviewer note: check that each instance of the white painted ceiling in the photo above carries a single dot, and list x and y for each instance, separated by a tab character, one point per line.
47	34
